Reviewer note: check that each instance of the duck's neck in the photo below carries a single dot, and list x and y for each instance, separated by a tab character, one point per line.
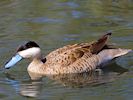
35	65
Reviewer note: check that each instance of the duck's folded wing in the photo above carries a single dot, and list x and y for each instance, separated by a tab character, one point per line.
67	58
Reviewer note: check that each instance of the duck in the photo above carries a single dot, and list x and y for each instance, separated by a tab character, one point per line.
72	58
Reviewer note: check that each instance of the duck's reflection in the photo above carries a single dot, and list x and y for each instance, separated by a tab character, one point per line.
28	88
32	88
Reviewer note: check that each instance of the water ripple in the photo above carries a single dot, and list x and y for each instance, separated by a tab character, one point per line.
41	20
76	14
70	4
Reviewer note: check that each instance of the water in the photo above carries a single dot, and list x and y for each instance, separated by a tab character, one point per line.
54	23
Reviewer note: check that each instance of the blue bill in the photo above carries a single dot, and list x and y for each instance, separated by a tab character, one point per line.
13	61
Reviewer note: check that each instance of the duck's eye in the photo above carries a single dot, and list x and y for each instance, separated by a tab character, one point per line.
28	45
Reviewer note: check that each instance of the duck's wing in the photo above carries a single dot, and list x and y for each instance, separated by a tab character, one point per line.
71	53
61	50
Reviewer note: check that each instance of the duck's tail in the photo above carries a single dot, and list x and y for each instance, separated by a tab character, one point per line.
100	43
109	54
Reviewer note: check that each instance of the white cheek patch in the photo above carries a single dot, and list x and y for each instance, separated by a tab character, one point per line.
31	52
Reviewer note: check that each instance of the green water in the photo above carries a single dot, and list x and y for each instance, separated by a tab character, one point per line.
54	23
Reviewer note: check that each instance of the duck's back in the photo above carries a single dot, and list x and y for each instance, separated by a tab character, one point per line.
93	47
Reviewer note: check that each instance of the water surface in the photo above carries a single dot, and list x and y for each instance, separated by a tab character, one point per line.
54	23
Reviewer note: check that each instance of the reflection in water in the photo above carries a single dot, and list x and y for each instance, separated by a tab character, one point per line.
32	88
28	88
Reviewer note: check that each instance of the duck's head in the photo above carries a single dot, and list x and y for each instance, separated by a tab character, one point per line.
28	50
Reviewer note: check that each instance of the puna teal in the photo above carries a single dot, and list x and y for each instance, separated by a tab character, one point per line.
75	58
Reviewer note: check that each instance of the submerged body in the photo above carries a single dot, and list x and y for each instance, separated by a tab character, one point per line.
76	58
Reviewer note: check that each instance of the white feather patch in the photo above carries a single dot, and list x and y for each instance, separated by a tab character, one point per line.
31	52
